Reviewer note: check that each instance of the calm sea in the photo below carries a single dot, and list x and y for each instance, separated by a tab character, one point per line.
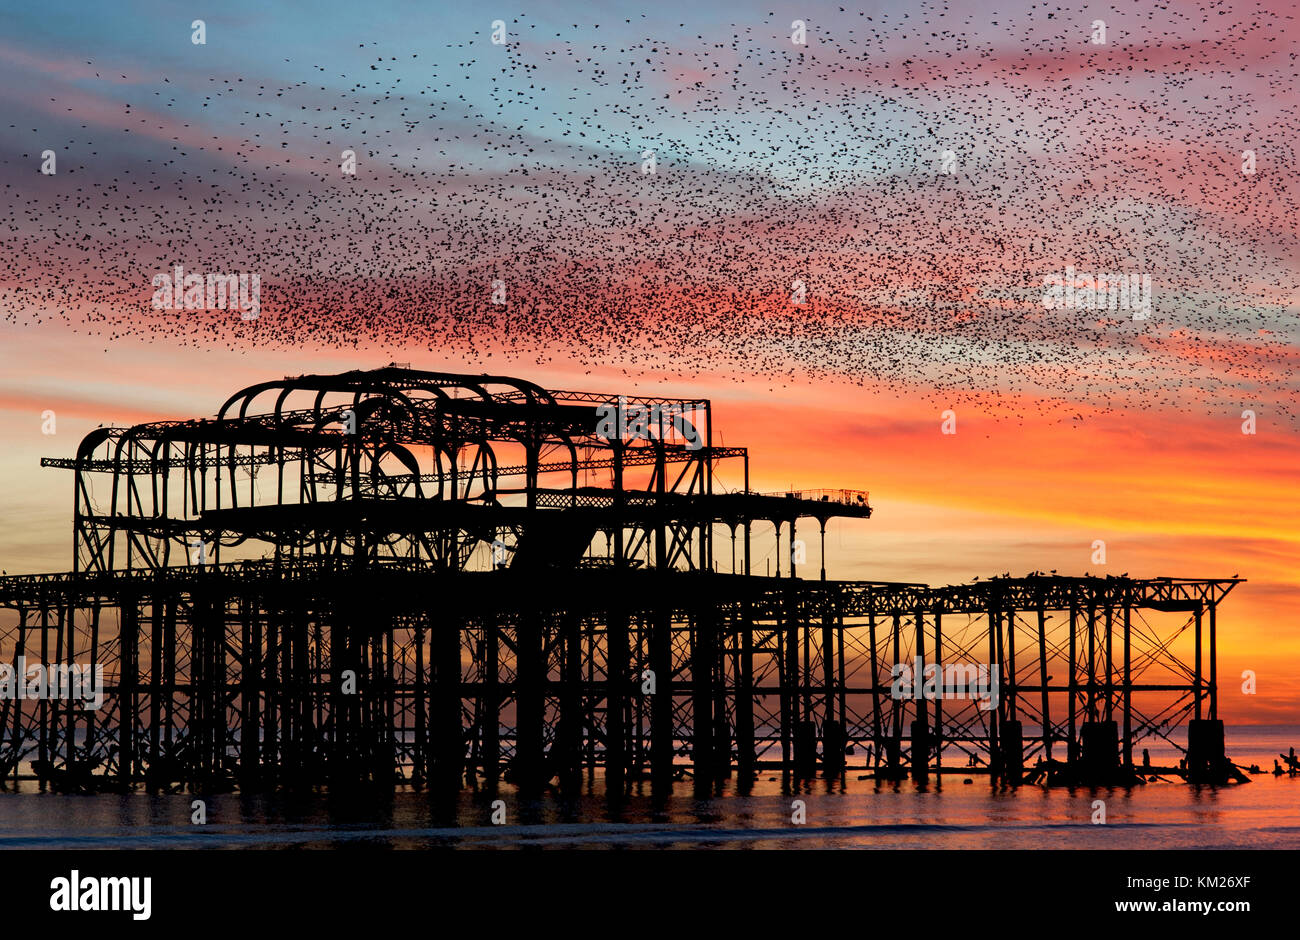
1264	813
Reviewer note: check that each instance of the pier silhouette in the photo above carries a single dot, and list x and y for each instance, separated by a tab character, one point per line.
405	577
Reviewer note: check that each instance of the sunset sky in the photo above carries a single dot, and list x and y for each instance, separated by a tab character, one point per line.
823	164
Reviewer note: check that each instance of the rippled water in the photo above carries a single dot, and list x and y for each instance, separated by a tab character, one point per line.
950	813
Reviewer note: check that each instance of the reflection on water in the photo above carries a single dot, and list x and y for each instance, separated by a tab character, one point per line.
948	813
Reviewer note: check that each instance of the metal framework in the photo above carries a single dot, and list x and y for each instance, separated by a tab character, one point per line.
447	580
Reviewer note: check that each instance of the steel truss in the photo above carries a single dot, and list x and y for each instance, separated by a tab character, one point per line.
403	576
